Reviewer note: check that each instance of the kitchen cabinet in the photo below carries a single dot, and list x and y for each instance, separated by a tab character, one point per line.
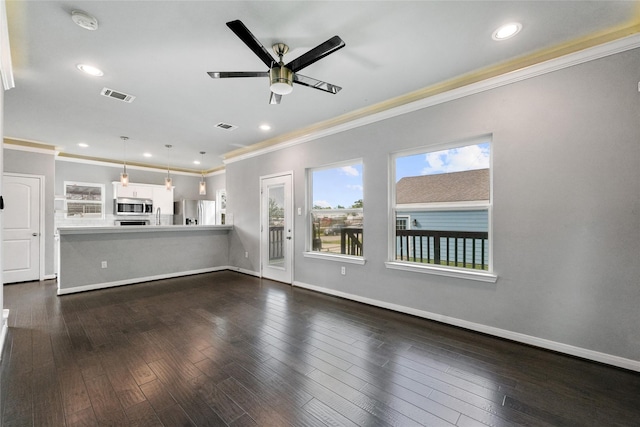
136	191
163	199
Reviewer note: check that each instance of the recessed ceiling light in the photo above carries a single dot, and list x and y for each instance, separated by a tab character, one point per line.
147	154
196	162
83	144
265	127
92	71
507	31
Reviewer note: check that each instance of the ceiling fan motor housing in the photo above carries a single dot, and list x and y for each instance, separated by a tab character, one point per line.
281	80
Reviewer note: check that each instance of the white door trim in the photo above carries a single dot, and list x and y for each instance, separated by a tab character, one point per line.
41	247
291	214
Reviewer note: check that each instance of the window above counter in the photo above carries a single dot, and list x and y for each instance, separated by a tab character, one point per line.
83	200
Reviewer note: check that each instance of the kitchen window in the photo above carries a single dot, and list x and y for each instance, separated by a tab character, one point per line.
84	200
336	216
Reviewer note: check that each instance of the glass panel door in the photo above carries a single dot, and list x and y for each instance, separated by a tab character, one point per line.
277	228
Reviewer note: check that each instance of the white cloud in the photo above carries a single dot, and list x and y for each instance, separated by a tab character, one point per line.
350	170
355	187
460	159
322	203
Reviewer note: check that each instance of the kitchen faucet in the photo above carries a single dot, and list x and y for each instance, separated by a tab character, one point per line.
158	216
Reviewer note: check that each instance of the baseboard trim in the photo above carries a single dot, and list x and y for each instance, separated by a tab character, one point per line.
132	281
249	272
4	330
609	359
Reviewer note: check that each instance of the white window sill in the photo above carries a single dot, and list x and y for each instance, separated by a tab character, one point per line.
335	257
481	276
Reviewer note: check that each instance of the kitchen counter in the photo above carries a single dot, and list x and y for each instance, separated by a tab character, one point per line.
141	229
101	257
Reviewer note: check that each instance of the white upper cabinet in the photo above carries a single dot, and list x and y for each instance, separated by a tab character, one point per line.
162	198
136	191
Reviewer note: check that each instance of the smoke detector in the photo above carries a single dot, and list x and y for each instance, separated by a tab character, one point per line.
84	20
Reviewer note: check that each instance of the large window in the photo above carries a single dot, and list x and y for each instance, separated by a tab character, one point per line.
336	215
442	206
84	200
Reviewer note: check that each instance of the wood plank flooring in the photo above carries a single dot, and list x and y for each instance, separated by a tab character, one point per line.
226	349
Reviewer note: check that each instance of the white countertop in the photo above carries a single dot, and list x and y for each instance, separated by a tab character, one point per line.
141	229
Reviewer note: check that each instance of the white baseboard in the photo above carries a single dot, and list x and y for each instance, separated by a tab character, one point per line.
4	329
609	359
249	272
104	285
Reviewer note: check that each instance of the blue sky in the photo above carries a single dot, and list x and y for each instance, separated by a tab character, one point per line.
337	186
343	185
465	158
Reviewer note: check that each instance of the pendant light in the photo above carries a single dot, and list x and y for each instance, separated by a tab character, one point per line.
167	180
124	176
202	188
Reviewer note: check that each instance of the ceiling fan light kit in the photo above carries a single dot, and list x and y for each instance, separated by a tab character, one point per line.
282	76
281	80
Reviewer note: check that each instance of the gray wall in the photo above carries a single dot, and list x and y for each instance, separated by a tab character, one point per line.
34	163
138	255
186	186
566	222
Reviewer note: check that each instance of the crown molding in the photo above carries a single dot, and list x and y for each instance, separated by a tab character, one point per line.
544	62
26	145
65	157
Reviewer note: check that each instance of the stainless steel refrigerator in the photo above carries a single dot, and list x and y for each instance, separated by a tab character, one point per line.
194	212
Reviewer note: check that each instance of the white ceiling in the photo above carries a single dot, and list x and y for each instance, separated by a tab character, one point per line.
160	53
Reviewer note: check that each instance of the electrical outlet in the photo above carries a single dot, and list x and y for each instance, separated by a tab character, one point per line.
246	254
104	264
343	271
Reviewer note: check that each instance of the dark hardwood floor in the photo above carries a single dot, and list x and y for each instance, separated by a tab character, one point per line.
229	349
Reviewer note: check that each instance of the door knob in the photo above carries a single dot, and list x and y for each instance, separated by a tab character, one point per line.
288	237
35	234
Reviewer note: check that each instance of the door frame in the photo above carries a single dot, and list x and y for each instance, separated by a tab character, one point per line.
41	223
291	213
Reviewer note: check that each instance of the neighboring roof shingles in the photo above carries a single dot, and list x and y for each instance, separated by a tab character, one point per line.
445	187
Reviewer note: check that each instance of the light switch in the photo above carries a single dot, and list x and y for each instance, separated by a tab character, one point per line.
299	211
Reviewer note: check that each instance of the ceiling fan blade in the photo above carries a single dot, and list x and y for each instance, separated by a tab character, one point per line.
316	84
249	39
230	74
275	98
316	54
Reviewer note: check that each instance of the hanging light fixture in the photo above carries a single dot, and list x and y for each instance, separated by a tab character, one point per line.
167	180
203	185
124	176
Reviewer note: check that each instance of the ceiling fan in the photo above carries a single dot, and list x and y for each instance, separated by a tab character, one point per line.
282	76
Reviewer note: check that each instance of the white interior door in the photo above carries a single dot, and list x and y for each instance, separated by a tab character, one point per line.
21	229
276	236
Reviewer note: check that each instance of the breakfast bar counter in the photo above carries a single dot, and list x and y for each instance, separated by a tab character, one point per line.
100	257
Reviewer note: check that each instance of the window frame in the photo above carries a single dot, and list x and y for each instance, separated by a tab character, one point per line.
309	252
449	271
71	201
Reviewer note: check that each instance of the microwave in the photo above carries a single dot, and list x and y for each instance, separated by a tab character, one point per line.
128	206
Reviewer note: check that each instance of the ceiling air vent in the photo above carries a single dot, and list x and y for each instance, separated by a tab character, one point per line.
226	126
110	93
